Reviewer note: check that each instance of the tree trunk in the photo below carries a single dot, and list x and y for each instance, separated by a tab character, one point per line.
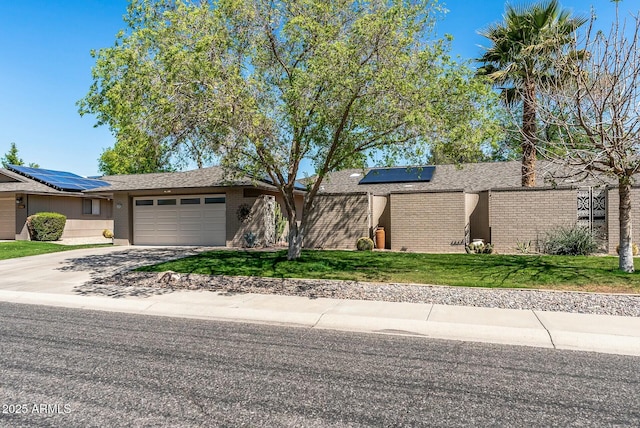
296	234
529	135
625	249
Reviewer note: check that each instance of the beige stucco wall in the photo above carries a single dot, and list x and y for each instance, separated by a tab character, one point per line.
527	215
381	216
428	222
478	211
78	225
337	221
7	216
613	217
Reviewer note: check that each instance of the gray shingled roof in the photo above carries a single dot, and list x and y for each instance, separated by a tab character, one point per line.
473	177
26	185
206	177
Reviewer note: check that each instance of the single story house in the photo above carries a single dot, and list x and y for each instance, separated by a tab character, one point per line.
427	209
26	191
444	207
197	207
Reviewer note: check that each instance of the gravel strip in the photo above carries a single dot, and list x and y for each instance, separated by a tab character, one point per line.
140	284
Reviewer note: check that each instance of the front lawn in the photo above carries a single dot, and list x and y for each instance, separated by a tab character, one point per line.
473	270
13	249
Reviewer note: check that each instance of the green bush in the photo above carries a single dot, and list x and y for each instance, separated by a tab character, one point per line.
570	241
46	226
364	244
107	234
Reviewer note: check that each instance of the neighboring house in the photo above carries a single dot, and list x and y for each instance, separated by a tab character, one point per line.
199	207
26	191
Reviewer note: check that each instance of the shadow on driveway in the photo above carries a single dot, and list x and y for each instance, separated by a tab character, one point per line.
106	270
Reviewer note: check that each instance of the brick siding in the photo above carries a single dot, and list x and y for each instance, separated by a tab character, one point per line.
428	222
337	221
527	215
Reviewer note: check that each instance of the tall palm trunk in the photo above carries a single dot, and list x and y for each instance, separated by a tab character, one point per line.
529	154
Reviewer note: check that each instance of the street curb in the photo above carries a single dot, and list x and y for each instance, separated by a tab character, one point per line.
594	333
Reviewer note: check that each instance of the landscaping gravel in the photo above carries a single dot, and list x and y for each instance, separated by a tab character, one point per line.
561	301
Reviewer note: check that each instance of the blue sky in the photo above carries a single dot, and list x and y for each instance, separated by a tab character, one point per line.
46	67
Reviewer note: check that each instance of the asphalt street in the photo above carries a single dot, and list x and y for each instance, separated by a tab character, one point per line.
78	368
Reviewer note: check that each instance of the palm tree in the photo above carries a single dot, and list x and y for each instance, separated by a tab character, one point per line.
521	54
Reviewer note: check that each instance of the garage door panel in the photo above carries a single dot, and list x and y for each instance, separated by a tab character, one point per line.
187	223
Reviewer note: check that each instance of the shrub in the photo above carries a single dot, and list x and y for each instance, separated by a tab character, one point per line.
479	249
250	240
570	241
46	226
107	234
364	244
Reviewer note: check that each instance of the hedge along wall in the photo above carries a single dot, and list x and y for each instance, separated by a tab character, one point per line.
336	221
523	215
429	222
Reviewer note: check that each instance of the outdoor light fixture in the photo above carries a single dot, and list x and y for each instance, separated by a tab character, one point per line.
19	201
118	205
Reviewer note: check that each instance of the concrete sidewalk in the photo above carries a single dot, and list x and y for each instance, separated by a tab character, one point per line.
598	333
57	279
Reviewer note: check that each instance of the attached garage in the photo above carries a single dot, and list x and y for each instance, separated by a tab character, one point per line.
179	220
7	218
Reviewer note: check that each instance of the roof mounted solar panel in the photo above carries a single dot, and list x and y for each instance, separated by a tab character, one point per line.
399	175
59	180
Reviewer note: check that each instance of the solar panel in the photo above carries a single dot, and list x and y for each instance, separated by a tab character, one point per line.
59	180
399	175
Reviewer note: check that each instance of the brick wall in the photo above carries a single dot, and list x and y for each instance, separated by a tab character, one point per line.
527	214
337	221
613	217
428	222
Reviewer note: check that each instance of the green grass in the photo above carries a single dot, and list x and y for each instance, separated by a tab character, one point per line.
13	249
474	270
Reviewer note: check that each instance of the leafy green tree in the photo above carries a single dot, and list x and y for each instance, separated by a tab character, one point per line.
12	158
266	85
134	157
521	55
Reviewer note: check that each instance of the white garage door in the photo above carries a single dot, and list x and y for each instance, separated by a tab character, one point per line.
179	220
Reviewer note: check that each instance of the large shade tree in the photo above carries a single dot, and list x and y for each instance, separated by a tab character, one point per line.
597	116
268	85
522	52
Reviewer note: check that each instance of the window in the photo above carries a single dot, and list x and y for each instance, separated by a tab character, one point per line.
214	200
166	201
144	202
190	201
91	206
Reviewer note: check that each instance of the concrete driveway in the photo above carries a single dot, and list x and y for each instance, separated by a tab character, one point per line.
63	271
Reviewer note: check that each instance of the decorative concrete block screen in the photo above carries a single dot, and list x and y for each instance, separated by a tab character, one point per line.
526	215
337	221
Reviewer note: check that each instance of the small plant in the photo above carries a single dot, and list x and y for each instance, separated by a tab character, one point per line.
364	244
250	240
570	241
480	248
524	247
107	234
46	226
634	249
281	221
